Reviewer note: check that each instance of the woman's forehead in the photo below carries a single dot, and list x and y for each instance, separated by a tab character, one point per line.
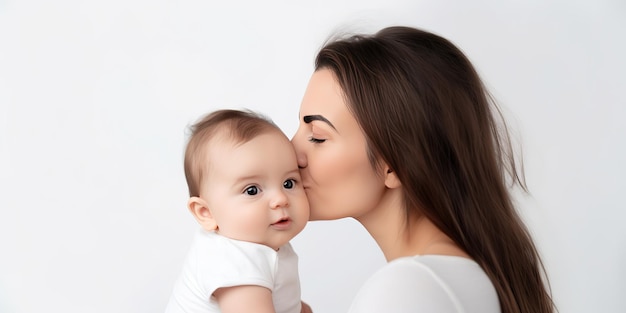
323	96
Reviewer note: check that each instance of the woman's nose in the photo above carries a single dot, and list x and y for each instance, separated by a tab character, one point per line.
297	142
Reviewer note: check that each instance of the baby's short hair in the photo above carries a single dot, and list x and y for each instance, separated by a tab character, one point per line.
240	126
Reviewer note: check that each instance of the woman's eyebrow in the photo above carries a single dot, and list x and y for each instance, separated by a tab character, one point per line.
310	118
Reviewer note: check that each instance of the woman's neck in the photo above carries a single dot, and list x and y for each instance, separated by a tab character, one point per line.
387	224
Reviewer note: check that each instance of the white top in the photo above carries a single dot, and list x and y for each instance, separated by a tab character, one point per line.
429	283
215	261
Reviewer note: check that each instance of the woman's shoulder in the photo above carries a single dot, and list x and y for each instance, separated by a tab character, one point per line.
432	283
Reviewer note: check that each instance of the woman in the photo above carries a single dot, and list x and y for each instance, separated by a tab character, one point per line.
397	131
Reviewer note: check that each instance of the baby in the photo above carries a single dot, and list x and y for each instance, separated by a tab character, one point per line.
245	192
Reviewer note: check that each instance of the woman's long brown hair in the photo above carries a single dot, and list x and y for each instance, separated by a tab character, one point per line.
427	115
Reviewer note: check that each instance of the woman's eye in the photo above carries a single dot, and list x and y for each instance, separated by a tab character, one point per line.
315	140
252	190
289	183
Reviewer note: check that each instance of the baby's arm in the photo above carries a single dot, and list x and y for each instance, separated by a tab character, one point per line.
246	298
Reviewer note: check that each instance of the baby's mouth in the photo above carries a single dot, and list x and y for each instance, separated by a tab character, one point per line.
282	223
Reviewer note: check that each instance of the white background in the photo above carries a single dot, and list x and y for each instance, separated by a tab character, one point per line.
95	97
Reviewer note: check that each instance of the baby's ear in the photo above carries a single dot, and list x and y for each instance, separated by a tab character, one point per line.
200	210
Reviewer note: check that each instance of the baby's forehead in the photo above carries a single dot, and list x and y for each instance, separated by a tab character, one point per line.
224	151
229	137
223	141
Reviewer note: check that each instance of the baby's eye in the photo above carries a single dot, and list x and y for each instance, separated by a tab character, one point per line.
289	183
252	190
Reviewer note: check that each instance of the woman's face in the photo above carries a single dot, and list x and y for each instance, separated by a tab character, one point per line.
332	154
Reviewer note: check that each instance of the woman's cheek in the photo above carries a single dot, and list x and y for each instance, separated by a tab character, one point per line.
345	186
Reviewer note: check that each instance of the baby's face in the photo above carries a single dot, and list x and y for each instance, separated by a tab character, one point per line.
253	190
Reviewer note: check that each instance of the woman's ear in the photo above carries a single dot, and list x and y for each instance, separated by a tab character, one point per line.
200	210
391	179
